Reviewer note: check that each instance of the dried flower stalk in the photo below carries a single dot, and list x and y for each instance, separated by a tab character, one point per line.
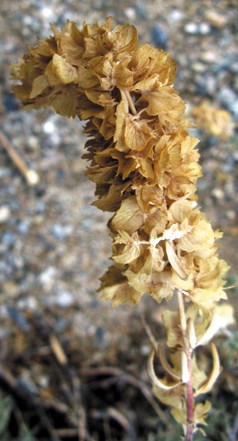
145	167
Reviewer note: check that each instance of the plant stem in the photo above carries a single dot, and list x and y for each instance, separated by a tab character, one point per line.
130	102
189	433
31	176
189	382
189	399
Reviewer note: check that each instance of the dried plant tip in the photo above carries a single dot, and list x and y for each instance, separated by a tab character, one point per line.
145	167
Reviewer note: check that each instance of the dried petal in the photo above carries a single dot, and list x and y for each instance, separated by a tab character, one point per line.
129	217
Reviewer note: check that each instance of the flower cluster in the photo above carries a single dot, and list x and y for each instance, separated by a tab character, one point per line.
143	161
145	167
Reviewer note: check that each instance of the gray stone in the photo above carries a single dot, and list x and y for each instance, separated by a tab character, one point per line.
61	232
206	84
197	28
175	16
159	37
64	298
23	226
8	239
228	98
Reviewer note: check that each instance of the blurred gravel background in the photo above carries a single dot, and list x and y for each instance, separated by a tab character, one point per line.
54	244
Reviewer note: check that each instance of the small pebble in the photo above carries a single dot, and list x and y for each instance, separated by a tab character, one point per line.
48	127
48	276
208	57
191	28
29	303
234	67
206	85
25	381
23	227
10	102
145	350
61	232
231	214
11	289
197	28
199	67
235	156
18	318
27	20
159	37
215	19
100	334
64	298
40	208
234	108
175	16
218	193
228	98
204	29
4	171
211	141
47	13
130	13
227	168
55	139
8	239
43	381
33	142
141	10
4	214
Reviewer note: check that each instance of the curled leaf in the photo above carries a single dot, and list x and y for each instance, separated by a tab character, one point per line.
222	316
174	261
165	385
166	365
208	384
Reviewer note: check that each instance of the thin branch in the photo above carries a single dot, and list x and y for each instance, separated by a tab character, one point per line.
149	333
122	376
58	350
119	417
127	98
8	379
188	358
31	176
130	102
